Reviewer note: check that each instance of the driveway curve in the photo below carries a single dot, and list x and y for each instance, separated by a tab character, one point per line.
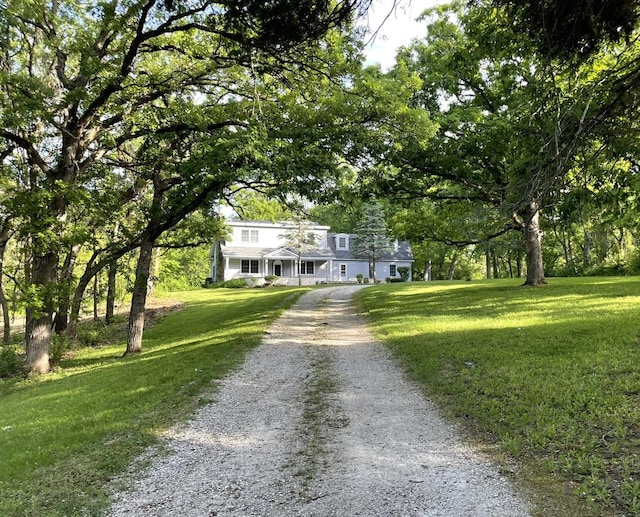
319	421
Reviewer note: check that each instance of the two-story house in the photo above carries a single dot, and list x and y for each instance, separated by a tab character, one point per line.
256	249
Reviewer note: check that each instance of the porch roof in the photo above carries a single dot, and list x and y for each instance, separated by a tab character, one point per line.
247	252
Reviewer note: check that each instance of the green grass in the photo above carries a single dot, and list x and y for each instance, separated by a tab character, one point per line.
65	436
550	374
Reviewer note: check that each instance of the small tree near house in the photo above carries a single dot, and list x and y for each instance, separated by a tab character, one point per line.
372	241
299	239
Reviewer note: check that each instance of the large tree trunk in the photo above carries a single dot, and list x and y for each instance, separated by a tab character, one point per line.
139	299
40	318
533	244
111	292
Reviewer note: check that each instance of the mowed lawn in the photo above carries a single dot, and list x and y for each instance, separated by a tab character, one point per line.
551	375
66	436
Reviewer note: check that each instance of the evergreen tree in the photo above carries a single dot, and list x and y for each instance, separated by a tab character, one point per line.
372	241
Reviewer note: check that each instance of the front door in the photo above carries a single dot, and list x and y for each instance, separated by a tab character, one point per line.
277	269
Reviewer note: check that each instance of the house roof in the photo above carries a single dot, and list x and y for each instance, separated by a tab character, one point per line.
402	253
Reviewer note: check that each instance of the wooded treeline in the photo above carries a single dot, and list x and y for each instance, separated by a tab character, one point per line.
125	125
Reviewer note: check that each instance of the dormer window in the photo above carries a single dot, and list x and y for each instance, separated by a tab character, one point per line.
342	242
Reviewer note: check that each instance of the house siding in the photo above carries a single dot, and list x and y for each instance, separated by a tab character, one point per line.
265	243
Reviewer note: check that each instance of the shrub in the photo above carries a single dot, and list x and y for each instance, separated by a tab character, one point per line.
59	345
403	271
270	279
11	363
359	277
236	283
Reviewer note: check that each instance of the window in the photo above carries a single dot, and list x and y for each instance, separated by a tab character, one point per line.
342	242
343	270
249	266
306	268
249	236
392	270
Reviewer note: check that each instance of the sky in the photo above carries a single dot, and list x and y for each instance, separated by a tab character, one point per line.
397	30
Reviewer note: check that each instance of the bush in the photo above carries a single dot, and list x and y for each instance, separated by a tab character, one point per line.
271	279
236	283
359	277
404	273
11	363
59	345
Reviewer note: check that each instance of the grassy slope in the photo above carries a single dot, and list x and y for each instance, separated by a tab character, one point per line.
65	435
551	374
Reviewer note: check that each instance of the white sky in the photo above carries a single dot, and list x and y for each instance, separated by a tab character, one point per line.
399	28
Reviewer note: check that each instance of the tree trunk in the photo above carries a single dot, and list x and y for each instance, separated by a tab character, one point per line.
427	271
96	298
452	266
111	292
139	298
39	319
533	245
487	263
61	320
4	304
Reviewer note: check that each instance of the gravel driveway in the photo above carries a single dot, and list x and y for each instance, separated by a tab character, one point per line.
319	422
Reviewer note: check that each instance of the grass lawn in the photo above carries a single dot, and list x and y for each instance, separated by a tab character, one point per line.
551	375
65	436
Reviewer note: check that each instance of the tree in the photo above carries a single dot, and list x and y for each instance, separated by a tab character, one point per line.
81	81
300	238
568	28
371	241
511	126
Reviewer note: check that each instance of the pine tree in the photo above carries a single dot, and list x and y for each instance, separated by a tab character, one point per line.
372	241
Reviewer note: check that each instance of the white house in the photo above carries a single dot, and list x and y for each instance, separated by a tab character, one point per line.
256	249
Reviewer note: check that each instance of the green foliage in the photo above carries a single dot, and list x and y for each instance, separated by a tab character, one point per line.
235	283
59	346
359	277
550	374
404	273
11	362
183	269
65	436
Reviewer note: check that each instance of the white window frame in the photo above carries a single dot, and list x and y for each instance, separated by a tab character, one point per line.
253	237
304	268
343	271
244	235
251	266
393	270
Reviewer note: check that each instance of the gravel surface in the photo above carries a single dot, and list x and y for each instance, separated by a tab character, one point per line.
319	421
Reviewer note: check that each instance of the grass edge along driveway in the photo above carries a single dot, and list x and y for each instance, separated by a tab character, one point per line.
549	375
65	436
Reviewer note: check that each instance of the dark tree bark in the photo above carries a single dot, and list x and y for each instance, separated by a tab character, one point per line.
487	262
111	292
533	244
139	299
61	321
4	304
40	319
